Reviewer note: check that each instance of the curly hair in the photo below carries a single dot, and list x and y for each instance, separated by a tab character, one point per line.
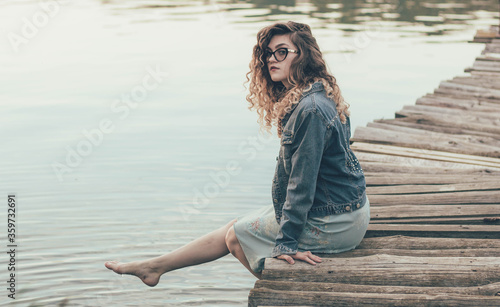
271	99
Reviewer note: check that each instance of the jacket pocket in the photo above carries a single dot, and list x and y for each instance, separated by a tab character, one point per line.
286	150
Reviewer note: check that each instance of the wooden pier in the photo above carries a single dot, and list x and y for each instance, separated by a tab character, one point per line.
433	179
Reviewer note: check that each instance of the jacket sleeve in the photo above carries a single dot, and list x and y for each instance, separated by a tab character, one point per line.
309	142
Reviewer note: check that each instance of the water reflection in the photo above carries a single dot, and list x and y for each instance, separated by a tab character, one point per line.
325	13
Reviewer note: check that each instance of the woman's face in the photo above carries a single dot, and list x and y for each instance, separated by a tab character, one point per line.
280	71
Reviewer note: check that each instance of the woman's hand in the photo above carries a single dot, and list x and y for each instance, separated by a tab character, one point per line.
304	256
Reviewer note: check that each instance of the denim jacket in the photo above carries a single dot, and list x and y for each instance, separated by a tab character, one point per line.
317	174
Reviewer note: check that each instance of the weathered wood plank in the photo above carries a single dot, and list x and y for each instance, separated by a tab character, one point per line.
486	65
453	121
460	92
445	188
426	199
484	73
434	231
436	211
384	167
488	92
406	242
414	122
484	115
466	117
472	145
473	138
494	57
383	261
466	252
425	154
440	221
483	81
414	162
394	179
458	104
267	297
486	290
463	100
461	95
391	270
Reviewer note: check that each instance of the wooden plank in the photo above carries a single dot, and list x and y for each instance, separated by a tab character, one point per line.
455	90
411	162
393	179
477	113
388	270
448	143
486	290
267	297
492	93
435	231
486	65
426	199
484	252
491	82
491	48
440	221
449	121
425	154
437	211
413	122
459	96
459	105
461	101
444	188
282	269
406	242
415	157
492	140
490	34
484	73
459	117
383	167
493	57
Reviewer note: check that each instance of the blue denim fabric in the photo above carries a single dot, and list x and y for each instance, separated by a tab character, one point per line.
317	174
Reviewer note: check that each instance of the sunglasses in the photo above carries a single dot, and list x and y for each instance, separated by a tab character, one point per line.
279	54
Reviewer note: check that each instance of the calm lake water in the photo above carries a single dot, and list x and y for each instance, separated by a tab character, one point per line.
121	121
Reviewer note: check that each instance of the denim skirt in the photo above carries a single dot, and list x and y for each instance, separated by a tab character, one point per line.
257	231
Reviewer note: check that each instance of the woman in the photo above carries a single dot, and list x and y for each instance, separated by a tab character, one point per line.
319	198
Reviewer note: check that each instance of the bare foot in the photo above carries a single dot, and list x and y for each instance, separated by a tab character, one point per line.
142	269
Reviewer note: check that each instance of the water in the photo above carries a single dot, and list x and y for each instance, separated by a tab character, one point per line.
99	176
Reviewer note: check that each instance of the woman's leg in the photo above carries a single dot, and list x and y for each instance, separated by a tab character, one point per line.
209	247
235	248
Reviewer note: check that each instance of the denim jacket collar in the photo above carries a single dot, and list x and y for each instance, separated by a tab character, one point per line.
316	87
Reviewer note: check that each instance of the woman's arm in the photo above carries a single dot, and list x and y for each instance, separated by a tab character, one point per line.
309	142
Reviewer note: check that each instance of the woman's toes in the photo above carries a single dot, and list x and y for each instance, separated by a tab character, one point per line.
112	265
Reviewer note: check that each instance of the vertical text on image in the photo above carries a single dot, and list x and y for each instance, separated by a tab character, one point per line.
11	245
